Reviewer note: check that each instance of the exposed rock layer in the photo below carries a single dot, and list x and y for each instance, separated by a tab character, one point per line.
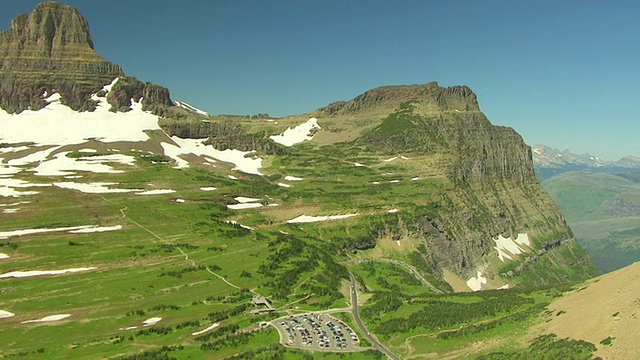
50	51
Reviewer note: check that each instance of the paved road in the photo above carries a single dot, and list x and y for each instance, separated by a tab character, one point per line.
356	317
406	266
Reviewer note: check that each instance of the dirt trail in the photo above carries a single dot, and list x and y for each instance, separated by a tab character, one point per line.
186	256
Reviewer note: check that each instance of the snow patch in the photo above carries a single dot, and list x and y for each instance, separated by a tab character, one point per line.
8	185
243	206
393	211
208	188
156	192
309	219
240	159
507	246
5	314
243	200
284	185
205	330
232	222
8	234
151	321
476	282
93	188
21	274
96	229
191	108
48	318
292	178
62	165
391	159
358	165
296	135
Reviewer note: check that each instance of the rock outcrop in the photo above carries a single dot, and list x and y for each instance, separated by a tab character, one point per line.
494	190
434	97
51	51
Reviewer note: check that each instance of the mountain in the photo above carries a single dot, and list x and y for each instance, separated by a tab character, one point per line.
630	162
598	199
130	222
549	162
603	210
51	51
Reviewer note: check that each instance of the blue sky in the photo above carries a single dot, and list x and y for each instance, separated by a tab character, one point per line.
562	73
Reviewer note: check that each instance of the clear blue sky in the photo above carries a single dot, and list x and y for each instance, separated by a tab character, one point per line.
562	73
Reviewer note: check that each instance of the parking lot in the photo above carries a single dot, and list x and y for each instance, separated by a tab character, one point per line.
316	332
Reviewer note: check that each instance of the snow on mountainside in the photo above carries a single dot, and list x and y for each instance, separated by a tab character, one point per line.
549	162
545	156
190	108
42	142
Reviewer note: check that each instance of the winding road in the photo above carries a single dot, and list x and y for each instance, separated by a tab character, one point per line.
411	269
356	317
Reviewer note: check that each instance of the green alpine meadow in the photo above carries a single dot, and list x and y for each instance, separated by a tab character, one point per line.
399	224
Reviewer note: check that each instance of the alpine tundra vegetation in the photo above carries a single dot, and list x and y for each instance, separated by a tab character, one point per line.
137	227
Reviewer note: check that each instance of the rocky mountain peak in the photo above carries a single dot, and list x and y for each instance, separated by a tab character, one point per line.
432	96
49	30
51	51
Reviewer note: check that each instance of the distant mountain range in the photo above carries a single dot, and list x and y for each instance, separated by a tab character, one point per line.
548	162
599	200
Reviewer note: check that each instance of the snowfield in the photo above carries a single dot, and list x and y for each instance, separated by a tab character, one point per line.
9	234
62	165
21	274
58	124
94	188
48	318
190	107
205	330
507	246
151	321
156	192
298	134
309	219
476	282
243	206
244	200
96	229
242	160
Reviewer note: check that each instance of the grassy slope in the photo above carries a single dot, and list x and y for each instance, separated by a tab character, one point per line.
141	272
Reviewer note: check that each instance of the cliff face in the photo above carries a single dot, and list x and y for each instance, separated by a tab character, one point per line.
51	50
494	191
